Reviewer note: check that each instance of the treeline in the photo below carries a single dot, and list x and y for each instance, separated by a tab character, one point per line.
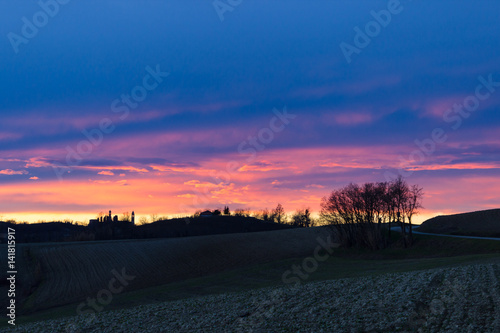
300	218
359	213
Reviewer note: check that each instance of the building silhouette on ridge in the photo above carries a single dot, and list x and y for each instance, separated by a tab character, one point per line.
107	219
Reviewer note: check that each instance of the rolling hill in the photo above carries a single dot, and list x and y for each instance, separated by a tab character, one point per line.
179	227
200	226
53	274
484	223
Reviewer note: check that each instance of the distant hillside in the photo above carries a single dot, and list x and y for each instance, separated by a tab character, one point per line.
199	226
43	232
484	223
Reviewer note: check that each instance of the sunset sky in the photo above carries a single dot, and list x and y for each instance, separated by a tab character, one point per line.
189	106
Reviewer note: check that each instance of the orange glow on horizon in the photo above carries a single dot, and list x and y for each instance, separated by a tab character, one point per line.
274	176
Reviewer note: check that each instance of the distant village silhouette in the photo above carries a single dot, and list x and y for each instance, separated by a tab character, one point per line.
113	227
108	219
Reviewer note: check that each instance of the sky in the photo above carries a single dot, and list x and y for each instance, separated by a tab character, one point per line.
167	107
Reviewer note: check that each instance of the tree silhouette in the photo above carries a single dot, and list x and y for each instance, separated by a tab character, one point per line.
278	214
412	205
239	212
125	217
302	218
357	211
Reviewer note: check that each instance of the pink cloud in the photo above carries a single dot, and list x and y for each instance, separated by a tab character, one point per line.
197	183
9	136
457	166
119	168
37	162
11	172
260	168
106	173
438	106
315	186
187	195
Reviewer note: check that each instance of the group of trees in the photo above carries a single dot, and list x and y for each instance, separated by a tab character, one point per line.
301	218
276	215
360	212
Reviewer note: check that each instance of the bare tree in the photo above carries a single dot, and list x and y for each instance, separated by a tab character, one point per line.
302	218
388	207
125	217
266	214
339	210
279	214
242	212
263	214
412	205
